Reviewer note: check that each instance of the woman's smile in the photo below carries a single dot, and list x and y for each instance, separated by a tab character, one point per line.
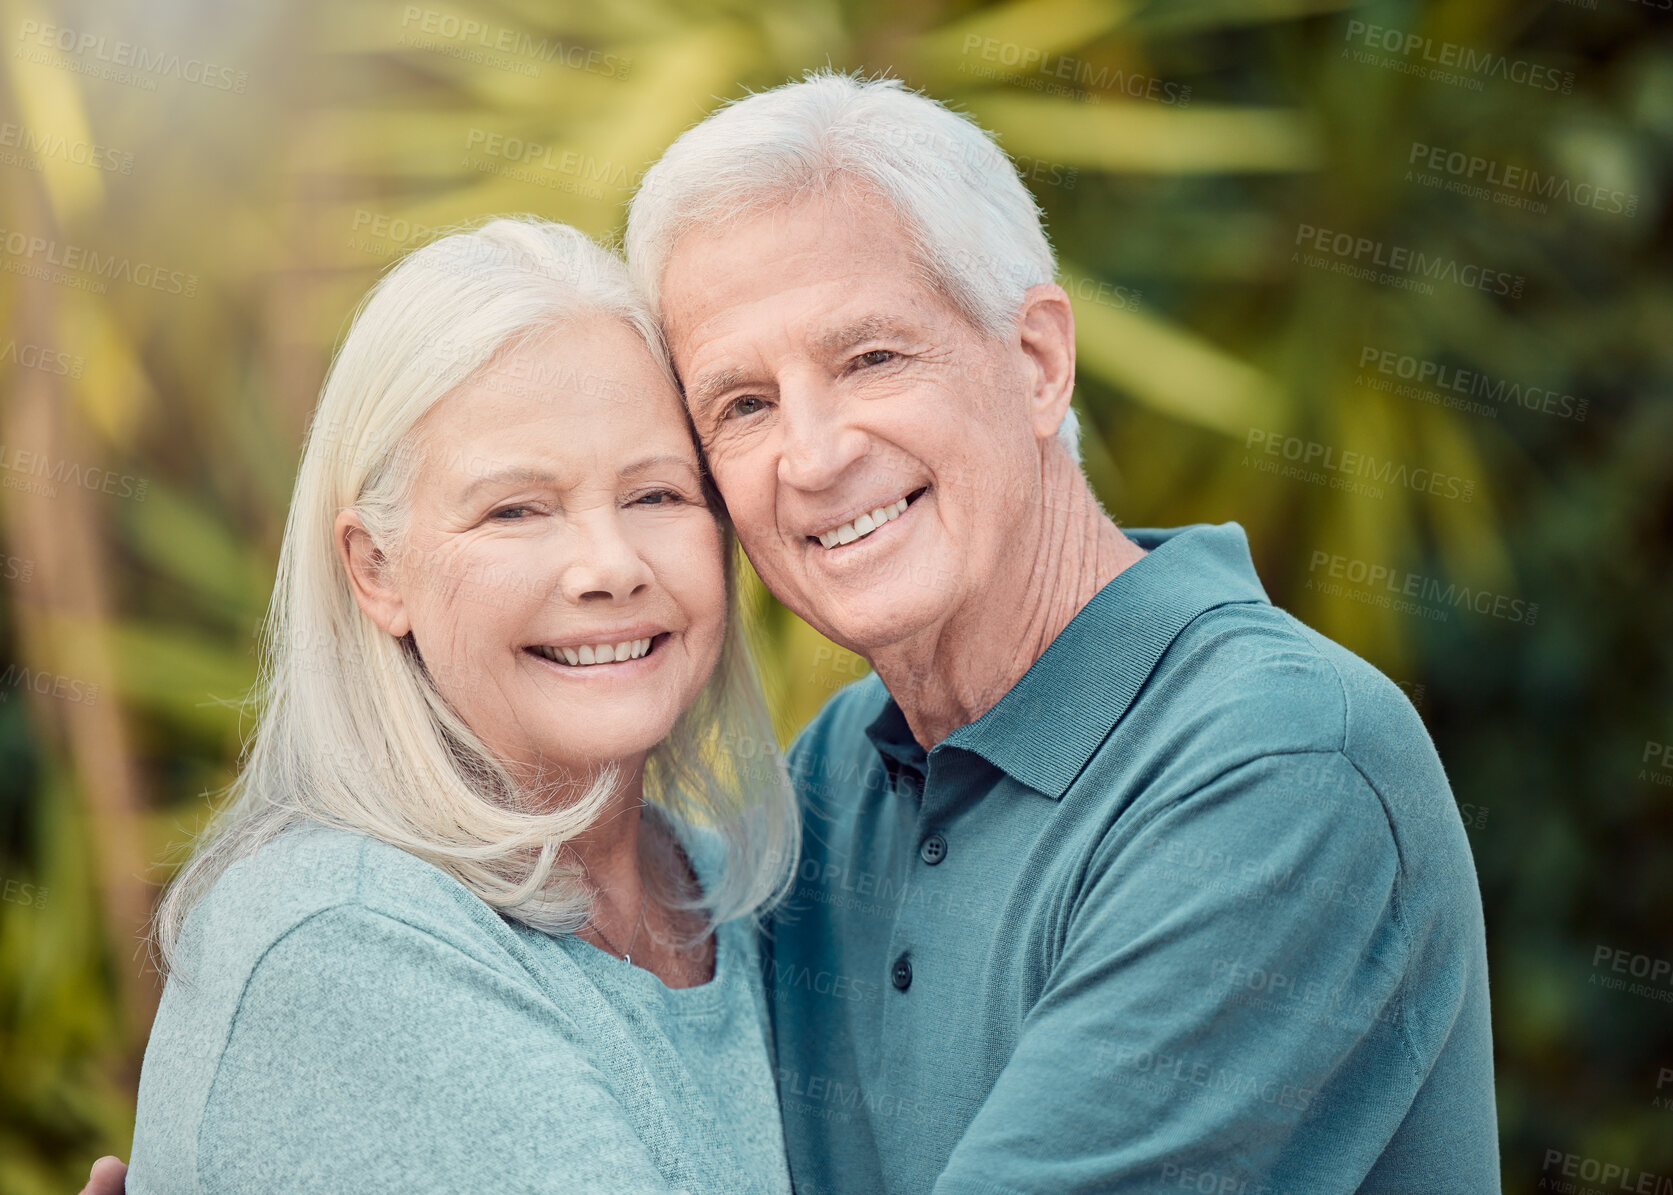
604	654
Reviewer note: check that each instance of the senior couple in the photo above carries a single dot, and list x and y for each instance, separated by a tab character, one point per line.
1112	877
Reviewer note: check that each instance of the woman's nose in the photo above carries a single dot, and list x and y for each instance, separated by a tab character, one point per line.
606	566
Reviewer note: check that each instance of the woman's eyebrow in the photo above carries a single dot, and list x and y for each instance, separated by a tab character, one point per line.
514	475
534	475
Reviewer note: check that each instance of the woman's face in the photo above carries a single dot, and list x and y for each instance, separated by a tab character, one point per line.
561	574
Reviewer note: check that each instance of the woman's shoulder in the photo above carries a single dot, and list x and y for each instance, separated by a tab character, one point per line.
309	870
323	962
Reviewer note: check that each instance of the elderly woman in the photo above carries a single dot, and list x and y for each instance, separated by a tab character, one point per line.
479	915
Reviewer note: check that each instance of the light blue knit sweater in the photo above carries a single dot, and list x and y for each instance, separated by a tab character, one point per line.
345	1017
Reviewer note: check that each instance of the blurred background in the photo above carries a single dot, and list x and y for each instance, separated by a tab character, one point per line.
1386	283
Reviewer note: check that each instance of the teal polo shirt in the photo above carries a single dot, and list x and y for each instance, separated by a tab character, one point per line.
1189	909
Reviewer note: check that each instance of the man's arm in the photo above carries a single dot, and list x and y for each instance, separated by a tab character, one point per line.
1226	994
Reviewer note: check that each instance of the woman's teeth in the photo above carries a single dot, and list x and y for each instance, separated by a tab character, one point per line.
862	526
603	653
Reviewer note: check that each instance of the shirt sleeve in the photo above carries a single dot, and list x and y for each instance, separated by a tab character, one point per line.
368	1055
1226	985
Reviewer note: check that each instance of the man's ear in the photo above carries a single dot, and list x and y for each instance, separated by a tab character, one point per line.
368	574
1046	325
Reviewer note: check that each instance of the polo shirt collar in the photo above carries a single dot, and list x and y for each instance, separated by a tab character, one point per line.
1047	727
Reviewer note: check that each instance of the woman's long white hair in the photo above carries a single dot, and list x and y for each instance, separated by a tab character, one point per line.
352	731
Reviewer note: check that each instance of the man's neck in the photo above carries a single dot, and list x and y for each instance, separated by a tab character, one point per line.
954	673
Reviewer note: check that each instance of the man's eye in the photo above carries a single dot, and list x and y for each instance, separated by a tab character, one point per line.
876	357
512	514
747	405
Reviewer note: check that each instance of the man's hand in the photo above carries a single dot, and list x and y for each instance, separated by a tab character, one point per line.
106	1177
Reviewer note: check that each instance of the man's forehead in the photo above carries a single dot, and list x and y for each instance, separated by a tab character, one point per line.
730	353
801	242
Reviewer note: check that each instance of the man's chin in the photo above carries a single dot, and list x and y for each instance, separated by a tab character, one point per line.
872	623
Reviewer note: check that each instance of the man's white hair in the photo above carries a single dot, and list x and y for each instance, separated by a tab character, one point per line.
353	730
974	227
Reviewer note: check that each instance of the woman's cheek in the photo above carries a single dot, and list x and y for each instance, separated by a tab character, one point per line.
698	578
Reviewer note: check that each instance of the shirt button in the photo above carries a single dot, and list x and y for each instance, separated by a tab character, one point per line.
901	976
934	849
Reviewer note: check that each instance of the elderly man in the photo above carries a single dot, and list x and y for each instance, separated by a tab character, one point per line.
1116	877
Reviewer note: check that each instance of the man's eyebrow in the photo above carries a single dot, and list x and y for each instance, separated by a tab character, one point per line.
711	386
871	327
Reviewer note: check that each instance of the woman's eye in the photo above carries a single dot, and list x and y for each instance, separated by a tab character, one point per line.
656	498
512	513
876	357
747	405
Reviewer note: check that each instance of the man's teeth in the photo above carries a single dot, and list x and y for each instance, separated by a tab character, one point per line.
603	653
862	526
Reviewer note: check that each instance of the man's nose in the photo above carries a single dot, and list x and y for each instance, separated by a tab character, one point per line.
819	441
606	565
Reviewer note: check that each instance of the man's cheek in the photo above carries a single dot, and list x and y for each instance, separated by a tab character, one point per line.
749	490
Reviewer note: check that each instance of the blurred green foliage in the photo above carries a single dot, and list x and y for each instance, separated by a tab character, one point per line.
1187	153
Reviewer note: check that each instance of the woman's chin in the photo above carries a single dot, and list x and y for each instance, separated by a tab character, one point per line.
605	744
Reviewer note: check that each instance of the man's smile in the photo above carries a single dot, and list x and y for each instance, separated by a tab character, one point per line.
862	525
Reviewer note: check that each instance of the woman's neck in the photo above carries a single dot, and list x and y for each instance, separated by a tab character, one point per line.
630	917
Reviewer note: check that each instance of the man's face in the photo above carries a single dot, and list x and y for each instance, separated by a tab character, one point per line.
831	386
